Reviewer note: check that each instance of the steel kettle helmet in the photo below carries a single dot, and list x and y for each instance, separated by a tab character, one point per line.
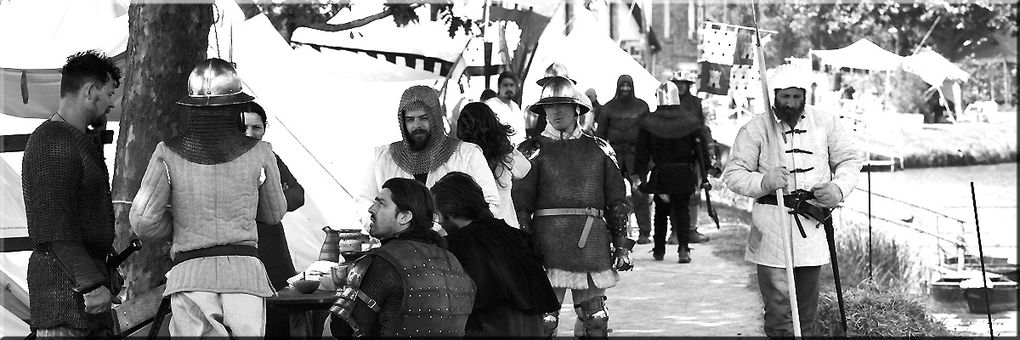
555	70
559	90
667	94
214	82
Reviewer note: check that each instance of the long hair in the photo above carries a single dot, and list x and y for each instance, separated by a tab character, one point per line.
458	195
478	124
412	196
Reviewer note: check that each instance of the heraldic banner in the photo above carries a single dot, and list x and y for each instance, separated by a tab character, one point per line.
726	61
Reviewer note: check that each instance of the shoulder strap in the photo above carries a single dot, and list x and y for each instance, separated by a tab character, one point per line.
343	308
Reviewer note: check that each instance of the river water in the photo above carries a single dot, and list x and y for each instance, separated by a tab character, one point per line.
947	191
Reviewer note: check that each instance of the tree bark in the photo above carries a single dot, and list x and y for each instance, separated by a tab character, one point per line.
164	43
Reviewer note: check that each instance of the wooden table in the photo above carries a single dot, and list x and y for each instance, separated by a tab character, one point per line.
300	306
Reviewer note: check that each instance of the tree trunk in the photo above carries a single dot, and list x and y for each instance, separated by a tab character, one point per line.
164	44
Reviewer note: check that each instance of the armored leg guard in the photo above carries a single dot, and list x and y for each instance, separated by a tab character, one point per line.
549	323
594	317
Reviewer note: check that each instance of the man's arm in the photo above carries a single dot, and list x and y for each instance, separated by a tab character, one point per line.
742	174
382	284
272	202
523	193
844	158
148	215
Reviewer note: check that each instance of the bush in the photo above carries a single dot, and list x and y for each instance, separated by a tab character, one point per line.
873	310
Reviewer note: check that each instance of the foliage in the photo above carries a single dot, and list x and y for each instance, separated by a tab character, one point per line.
288	15
987	78
896	26
872	310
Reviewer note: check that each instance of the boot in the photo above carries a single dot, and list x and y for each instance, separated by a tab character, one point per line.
658	254
643	239
696	237
684	254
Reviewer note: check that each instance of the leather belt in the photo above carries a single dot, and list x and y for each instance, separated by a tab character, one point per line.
592	214
223	250
797	202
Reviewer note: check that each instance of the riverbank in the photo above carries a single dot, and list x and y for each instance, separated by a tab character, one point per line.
937	145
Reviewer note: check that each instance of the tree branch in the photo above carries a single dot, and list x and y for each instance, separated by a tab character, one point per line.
322	26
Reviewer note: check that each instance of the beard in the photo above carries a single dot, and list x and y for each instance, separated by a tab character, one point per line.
789	114
507	95
418	139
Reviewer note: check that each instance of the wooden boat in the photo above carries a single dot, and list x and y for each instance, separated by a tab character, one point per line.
1001	298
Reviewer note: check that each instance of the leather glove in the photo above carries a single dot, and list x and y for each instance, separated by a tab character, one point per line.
622	261
715	170
775	179
97	300
827	194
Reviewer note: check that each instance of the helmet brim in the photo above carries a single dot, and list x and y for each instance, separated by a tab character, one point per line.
539	107
541	82
232	99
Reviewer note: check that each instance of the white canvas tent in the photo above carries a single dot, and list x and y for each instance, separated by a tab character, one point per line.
327	112
861	55
933	68
591	58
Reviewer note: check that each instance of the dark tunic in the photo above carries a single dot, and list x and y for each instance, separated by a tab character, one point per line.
70	221
672	138
512	288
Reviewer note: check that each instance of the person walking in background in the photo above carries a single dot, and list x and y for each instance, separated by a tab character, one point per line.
669	137
618	122
477	124
377	299
691	105
512	290
574	201
68	207
272	242
211	176
824	163
505	108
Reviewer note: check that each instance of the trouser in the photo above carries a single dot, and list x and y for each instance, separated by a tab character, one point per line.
776	297
678	211
207	314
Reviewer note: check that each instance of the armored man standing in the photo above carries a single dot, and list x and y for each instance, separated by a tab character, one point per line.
574	202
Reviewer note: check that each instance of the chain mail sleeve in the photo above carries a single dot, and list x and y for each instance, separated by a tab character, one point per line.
149	216
617	208
272	202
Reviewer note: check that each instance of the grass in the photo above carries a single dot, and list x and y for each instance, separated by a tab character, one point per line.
873	311
893	266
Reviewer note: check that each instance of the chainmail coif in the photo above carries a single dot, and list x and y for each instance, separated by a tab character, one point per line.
440	146
212	136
